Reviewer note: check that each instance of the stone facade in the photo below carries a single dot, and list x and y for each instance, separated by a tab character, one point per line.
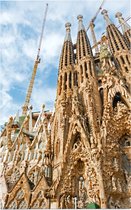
81	153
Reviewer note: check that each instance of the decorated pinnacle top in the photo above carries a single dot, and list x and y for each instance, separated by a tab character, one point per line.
106	17
68	35
125	26
80	23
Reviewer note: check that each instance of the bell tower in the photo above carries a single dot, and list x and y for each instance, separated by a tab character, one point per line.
85	65
118	46
63	107
66	67
125	28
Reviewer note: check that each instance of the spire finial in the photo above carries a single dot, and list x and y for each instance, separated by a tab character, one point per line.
125	26
80	26
118	14
68	36
106	17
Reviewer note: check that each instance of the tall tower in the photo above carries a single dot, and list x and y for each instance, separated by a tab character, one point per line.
119	47
85	64
66	76
125	28
66	83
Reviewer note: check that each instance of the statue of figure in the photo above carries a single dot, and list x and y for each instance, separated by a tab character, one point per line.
128	179
116	165
62	201
114	183
36	176
117	204
80	204
105	56
68	202
96	197
77	144
119	185
111	203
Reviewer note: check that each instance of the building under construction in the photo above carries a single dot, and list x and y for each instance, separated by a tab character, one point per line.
79	156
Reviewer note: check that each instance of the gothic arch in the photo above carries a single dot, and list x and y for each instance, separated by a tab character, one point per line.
119	98
77	128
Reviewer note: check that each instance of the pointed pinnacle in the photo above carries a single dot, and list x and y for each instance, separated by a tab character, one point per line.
80	23
68	35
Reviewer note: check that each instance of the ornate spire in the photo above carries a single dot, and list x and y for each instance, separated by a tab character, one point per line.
80	23
67	55
68	35
106	17
67	60
83	45
118	46
124	25
116	39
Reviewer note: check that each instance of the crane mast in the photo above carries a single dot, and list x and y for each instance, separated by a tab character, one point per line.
37	61
92	25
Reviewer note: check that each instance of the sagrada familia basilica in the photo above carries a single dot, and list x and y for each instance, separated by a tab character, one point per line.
78	156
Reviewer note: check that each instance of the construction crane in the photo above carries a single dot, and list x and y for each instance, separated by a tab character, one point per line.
92	25
37	61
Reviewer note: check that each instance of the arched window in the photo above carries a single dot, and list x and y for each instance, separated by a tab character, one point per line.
122	59
127	58
65	81
75	79
85	65
90	70
70	78
81	73
118	98
101	94
60	85
66	52
99	82
57	147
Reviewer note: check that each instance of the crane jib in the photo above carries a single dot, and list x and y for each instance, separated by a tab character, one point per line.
37	61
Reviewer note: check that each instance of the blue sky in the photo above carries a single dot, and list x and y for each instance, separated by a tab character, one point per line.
20	28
